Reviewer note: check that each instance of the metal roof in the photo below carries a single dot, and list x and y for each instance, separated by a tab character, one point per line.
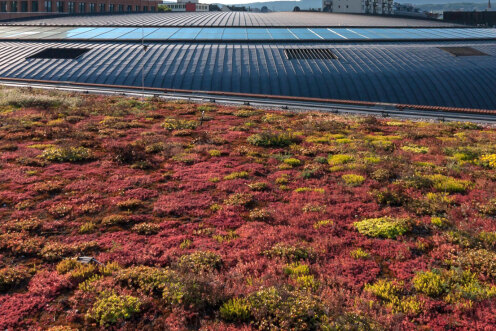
242	19
406	72
239	34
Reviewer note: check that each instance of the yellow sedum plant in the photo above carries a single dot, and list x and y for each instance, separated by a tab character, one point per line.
488	160
338	159
391	294
415	149
449	184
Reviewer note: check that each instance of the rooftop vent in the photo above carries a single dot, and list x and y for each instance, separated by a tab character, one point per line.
59	53
309	53
462	51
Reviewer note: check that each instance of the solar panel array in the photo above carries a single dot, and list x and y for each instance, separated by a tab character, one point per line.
225	19
243	34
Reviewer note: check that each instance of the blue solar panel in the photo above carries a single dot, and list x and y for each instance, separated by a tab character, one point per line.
258	34
488	33
326	34
281	34
431	34
90	34
57	33
235	34
115	33
347	34
21	34
162	33
482	33
187	33
419	34
398	33
462	33
212	33
137	33
370	33
305	34
77	31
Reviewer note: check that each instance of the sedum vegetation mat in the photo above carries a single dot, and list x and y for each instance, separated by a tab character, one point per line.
245	219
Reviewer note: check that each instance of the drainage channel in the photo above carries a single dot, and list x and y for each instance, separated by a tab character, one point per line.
282	104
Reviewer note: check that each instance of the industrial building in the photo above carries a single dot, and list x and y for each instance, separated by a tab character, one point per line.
187	5
18	9
307	55
479	18
374	7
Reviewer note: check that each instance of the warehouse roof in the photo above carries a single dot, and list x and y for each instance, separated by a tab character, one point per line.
242	19
427	73
321	55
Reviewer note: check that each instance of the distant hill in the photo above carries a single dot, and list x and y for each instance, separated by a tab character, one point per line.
465	6
423	4
428	2
286	5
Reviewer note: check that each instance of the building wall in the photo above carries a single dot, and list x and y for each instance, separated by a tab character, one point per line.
382	7
347	6
487	18
186	6
34	8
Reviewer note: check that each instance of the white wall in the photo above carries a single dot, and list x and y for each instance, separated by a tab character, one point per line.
347	6
360	6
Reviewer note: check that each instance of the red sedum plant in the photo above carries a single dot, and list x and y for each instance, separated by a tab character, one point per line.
223	218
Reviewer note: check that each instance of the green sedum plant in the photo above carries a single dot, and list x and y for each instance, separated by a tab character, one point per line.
338	159
439	222
479	260
111	308
270	139
353	180
449	184
179	124
290	253
12	277
391	293
383	227
149	279
359	254
200	261
235	310
146	228
431	283
67	154
236	175
415	149
292	162
284	309
454	285
296	269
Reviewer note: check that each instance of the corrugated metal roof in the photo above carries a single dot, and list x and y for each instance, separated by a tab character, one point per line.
287	19
411	73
